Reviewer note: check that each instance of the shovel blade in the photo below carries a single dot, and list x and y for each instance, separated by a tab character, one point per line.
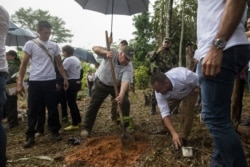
127	139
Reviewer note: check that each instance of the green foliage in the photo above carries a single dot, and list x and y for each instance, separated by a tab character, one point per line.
86	67
143	38
159	20
29	18
141	77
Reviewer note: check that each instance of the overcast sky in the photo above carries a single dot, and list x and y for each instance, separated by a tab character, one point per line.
88	27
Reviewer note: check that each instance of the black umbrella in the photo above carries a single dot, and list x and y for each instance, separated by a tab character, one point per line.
85	55
19	37
118	7
12	26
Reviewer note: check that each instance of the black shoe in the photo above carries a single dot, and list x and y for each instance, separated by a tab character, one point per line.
246	123
29	142
153	112
160	132
10	126
184	142
56	137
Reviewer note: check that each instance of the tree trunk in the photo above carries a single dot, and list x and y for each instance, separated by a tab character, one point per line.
182	32
170	7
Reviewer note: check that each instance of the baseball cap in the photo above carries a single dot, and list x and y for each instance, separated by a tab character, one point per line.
128	51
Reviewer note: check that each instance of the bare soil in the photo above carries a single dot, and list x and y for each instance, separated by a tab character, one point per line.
104	147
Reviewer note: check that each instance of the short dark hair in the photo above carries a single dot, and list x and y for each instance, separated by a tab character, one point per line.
68	49
124	42
158	77
43	24
12	53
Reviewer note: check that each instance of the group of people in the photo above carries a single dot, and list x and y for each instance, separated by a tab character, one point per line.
50	79
222	52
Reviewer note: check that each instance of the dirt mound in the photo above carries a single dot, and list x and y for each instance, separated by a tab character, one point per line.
107	151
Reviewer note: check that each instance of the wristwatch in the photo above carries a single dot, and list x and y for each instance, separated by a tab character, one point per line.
219	43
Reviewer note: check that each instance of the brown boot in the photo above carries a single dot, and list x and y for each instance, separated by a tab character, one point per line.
153	110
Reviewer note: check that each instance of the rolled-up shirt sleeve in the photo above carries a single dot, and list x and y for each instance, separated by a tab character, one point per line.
162	104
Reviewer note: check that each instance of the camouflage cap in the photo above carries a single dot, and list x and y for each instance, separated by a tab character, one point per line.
12	53
167	39
128	51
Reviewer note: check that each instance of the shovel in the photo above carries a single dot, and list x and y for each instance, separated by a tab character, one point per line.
125	138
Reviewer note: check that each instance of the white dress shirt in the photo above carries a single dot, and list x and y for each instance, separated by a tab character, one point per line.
183	81
4	26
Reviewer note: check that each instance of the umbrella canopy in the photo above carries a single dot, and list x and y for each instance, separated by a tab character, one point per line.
119	7
12	26
85	55
19	37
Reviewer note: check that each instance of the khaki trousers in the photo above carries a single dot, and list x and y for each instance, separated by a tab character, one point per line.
186	110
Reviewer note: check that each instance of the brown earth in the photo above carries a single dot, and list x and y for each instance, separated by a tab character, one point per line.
104	147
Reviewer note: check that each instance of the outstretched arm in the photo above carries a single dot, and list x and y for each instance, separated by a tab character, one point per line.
175	136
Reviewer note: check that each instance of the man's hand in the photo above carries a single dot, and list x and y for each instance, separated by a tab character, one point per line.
65	84
211	64
119	99
161	49
176	140
109	54
20	89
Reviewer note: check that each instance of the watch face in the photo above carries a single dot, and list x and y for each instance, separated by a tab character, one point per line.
220	43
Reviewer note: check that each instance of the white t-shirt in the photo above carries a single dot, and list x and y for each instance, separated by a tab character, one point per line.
91	77
42	67
72	67
122	73
183	81
208	18
4	26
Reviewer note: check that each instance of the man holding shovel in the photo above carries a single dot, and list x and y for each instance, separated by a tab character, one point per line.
104	84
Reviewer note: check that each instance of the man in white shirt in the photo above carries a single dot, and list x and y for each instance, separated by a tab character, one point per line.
223	51
177	86
42	81
4	25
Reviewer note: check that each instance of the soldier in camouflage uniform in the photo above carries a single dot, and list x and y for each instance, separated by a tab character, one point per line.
161	60
10	107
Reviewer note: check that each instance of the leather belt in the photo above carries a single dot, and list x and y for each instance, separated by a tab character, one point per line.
103	83
3	74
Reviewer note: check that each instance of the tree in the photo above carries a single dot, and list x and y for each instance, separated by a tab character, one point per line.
159	20
143	38
29	18
167	21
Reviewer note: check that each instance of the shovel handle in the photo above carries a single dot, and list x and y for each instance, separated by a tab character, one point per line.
114	79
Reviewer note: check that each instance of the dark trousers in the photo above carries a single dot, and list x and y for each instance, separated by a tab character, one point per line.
71	94
42	91
100	92
90	85
11	110
61	97
41	118
114	112
3	138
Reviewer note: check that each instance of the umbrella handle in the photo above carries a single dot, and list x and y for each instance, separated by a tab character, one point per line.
113	78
